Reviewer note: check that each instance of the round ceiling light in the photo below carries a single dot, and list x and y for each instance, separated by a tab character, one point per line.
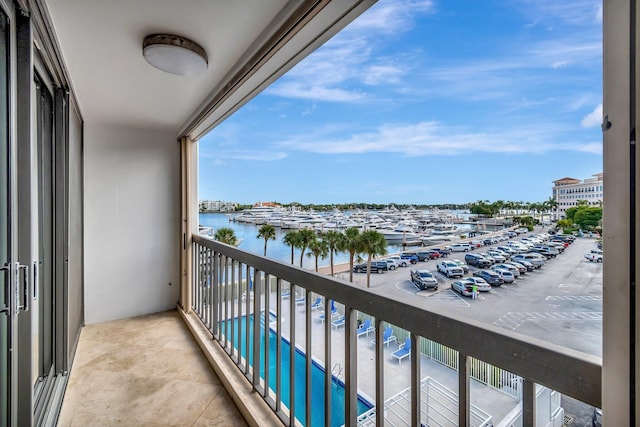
175	55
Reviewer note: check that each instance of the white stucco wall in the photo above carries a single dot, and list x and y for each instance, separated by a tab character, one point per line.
132	222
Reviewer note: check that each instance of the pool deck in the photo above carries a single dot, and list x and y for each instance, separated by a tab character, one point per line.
396	375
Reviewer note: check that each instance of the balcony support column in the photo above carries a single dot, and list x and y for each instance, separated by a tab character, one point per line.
189	215
528	403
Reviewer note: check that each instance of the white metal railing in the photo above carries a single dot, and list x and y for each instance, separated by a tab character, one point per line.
229	285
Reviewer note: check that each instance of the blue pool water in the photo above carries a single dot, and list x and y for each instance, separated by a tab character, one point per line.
317	376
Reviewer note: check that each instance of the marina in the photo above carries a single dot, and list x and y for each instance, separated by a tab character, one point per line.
401	228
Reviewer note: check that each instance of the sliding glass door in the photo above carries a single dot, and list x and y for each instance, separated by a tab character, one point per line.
7	323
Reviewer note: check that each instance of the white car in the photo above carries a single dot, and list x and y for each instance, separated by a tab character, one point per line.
506	275
512	268
392	264
594	256
460	247
482	284
400	261
450	269
497	255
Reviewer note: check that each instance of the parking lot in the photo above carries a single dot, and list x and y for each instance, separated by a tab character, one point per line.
561	302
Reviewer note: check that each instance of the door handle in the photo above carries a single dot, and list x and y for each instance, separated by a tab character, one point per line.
24	295
6	269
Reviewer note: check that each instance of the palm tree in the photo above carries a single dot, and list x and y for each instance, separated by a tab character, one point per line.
226	235
305	237
267	232
351	244
291	239
333	240
373	244
318	248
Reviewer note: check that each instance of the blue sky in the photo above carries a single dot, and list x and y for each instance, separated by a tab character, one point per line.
424	102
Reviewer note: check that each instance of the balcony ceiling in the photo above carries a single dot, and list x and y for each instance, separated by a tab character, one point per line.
101	42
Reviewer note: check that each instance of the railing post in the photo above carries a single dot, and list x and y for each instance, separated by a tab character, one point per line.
279	345
379	333
328	380
351	367
256	330
528	403
267	332
308	355
416	396
292	357
464	392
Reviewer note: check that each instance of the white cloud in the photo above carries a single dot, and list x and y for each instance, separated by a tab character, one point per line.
347	60
593	119
219	156
390	16
434	139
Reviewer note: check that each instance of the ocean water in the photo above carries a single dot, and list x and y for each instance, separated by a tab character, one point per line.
247	234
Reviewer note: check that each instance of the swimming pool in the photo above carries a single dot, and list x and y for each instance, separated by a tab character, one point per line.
317	376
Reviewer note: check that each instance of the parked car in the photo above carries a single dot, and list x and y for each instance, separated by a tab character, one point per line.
462	265
443	251
392	264
462	287
547	251
428	254
477	260
521	268
559	246
534	258
482	284
504	266
376	267
450	269
498	256
489	276
508	250
529	266
476	244
401	262
424	279
595	255
460	247
506	275
413	258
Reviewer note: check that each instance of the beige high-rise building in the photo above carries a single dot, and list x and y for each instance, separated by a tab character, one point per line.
568	191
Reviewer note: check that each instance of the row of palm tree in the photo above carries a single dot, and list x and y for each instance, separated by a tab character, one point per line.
370	243
352	240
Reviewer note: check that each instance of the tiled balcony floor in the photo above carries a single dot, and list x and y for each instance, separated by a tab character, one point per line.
144	371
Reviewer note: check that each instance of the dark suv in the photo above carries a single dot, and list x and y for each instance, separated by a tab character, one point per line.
426	255
491	277
477	260
376	267
413	258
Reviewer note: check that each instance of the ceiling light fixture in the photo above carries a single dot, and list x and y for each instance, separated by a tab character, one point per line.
174	54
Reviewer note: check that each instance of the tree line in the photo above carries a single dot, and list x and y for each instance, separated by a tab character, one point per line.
352	241
491	209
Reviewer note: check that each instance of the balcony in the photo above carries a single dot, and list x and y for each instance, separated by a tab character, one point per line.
151	370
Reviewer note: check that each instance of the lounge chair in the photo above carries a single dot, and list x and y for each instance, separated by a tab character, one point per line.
404	350
387	337
339	321
317	304
334	313
365	328
301	300
286	294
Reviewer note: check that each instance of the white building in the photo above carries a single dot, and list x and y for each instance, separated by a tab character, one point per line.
568	191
